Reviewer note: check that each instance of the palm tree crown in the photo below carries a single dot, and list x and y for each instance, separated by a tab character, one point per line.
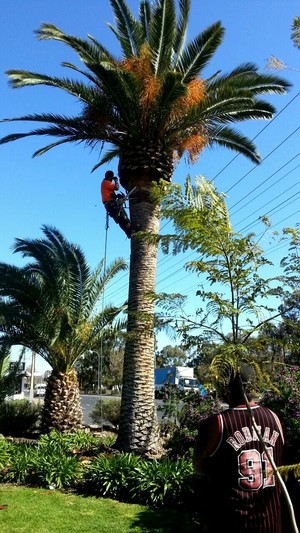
153	104
50	307
50	304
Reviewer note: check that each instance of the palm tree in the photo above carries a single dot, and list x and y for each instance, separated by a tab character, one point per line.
51	306
152	106
296	32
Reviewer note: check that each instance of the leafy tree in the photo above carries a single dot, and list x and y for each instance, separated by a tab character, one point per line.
51	306
152	104
290	307
108	360
236	300
229	262
171	356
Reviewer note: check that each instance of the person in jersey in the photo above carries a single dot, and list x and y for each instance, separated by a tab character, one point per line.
113	202
242	494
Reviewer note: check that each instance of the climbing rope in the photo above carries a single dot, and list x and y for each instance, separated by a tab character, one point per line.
100	354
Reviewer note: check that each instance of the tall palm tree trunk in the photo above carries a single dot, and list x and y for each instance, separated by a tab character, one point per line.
138	430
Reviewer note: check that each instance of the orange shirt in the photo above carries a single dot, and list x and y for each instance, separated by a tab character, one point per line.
108	188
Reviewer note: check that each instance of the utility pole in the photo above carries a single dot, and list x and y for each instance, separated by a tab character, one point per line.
32	372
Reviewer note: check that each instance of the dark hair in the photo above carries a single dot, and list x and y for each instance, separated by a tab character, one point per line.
247	376
109	175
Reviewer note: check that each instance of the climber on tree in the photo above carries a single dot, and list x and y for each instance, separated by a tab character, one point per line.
113	202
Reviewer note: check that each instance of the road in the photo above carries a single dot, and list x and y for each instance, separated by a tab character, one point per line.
88	402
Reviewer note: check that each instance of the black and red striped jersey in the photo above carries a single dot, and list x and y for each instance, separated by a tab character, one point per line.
244	488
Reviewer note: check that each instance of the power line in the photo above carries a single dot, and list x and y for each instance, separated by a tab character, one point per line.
270	123
264	159
263	182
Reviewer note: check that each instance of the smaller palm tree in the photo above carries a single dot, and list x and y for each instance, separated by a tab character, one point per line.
51	306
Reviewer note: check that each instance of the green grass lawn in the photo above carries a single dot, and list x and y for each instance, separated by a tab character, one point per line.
34	510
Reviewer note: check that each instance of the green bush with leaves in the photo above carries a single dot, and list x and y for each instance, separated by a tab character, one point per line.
162	483
42	464
51	462
127	477
79	441
107	410
19	467
19	418
5	454
112	476
55	467
284	400
184	414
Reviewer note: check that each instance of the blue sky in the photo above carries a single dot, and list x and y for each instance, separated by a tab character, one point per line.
58	187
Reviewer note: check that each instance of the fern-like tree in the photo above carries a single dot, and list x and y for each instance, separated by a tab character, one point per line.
236	299
52	306
152	104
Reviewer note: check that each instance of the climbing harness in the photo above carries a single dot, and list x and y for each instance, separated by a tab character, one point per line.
115	209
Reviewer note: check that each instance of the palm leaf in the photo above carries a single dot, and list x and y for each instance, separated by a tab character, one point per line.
22	78
161	34
181	30
200	51
145	16
296	32
129	32
108	156
245	77
88	54
233	140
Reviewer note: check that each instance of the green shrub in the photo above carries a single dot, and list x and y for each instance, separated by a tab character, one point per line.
112	476
284	400
52	466
126	477
19	465
162	483
187	415
43	464
5	454
78	442
107	410
19	418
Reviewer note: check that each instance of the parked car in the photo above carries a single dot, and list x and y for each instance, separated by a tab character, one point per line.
40	389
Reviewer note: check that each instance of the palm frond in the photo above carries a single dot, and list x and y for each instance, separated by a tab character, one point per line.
107	157
287	470
296	32
22	78
200	51
171	90
87	53
123	91
161	34
129	32
181	30
80	71
233	140
145	15
246	77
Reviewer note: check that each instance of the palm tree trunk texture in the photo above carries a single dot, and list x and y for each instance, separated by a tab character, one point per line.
138	429
62	408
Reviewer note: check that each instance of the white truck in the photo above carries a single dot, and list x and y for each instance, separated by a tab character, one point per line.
181	377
